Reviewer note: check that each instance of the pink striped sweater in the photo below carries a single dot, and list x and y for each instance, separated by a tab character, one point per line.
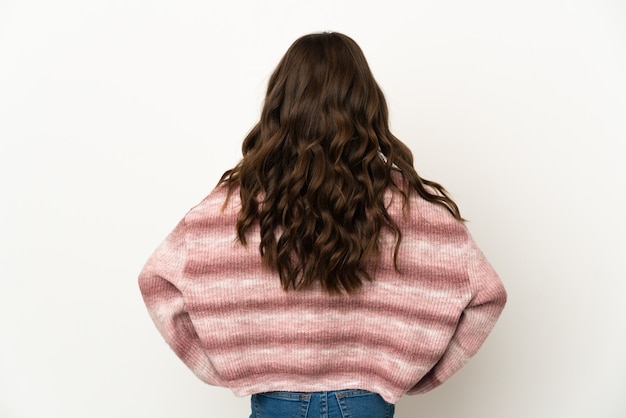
232	324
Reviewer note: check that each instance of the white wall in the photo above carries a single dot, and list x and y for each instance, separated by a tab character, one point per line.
117	116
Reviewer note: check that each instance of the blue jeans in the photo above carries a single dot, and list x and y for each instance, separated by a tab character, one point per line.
350	403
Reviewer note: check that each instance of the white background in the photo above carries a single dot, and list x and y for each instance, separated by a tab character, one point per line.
117	116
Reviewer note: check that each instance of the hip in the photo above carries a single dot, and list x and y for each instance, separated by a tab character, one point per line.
348	403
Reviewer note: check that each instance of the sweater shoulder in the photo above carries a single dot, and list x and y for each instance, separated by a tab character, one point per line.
219	206
418	216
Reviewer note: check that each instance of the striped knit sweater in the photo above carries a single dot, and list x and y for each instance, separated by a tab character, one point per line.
228	319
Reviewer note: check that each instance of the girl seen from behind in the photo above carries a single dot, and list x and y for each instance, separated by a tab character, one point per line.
323	276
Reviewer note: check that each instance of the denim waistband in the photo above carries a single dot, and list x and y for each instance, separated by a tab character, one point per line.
279	394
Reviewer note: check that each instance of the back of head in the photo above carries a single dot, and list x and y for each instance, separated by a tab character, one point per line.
316	166
323	91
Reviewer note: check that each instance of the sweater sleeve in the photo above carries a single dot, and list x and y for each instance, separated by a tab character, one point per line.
160	283
476	321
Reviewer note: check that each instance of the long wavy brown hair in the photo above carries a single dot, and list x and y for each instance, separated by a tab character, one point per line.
317	164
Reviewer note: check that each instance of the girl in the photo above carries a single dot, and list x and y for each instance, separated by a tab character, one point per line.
322	275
